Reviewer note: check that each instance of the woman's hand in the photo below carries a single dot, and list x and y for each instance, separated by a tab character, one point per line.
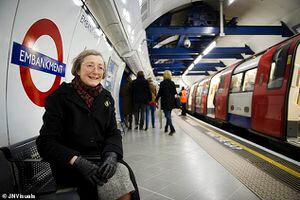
88	170
109	166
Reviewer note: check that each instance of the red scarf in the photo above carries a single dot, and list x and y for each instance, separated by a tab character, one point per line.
87	93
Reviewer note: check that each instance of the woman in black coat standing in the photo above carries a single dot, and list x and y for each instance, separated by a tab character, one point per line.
79	123
167	92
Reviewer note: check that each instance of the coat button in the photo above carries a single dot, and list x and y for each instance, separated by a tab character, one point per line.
92	140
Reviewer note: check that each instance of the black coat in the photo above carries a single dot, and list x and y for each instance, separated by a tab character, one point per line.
126	93
141	93
167	91
70	128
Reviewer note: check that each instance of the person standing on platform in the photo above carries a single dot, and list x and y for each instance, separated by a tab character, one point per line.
183	100
141	95
79	136
167	92
126	93
151	105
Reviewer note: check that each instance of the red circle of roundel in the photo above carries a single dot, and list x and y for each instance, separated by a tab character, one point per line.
38	29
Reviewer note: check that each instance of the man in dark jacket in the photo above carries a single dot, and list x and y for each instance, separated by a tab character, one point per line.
141	96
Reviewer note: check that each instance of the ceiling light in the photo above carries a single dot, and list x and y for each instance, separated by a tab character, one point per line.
191	67
78	2
209	48
197	59
230	2
140	2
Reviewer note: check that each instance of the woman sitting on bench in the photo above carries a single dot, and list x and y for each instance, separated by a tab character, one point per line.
79	123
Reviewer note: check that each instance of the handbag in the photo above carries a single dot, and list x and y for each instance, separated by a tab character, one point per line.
177	102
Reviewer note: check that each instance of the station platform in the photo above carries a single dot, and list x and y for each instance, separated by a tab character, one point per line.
197	163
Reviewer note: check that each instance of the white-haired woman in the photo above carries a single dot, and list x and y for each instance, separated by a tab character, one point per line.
79	122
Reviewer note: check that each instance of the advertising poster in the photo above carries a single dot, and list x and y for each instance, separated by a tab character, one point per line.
110	71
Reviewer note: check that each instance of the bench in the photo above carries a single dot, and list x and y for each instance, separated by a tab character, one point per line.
26	173
7	180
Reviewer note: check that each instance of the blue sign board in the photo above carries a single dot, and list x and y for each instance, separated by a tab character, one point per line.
26	57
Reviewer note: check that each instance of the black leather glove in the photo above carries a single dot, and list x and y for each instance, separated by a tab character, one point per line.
109	166
88	171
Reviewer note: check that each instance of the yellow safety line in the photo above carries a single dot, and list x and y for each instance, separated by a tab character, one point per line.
269	160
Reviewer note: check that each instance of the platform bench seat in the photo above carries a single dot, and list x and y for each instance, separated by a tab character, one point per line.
24	172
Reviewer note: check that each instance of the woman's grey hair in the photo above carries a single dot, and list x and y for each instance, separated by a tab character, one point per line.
167	74
79	60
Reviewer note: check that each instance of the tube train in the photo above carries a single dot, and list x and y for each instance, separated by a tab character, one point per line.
260	93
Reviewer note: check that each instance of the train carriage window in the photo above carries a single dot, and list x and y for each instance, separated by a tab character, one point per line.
198	95
199	90
278	67
296	75
221	85
205	89
236	82
249	80
191	95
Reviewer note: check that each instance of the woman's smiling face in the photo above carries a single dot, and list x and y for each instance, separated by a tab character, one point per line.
91	70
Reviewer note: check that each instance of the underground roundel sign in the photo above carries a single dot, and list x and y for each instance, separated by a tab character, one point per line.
27	58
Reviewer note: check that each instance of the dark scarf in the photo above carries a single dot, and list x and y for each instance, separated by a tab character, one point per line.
87	93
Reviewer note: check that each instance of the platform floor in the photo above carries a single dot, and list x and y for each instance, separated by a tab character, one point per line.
176	167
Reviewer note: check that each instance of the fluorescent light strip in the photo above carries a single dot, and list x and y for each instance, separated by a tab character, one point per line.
78	2
230	2
191	67
197	59
209	48
206	51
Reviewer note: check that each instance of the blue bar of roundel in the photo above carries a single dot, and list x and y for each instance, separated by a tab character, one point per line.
15	59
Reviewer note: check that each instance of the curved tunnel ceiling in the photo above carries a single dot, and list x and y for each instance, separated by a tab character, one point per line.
196	24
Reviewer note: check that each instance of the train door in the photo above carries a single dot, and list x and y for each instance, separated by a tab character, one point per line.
222	93
194	98
270	92
214	83
293	115
190	98
198	97
241	92
203	105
